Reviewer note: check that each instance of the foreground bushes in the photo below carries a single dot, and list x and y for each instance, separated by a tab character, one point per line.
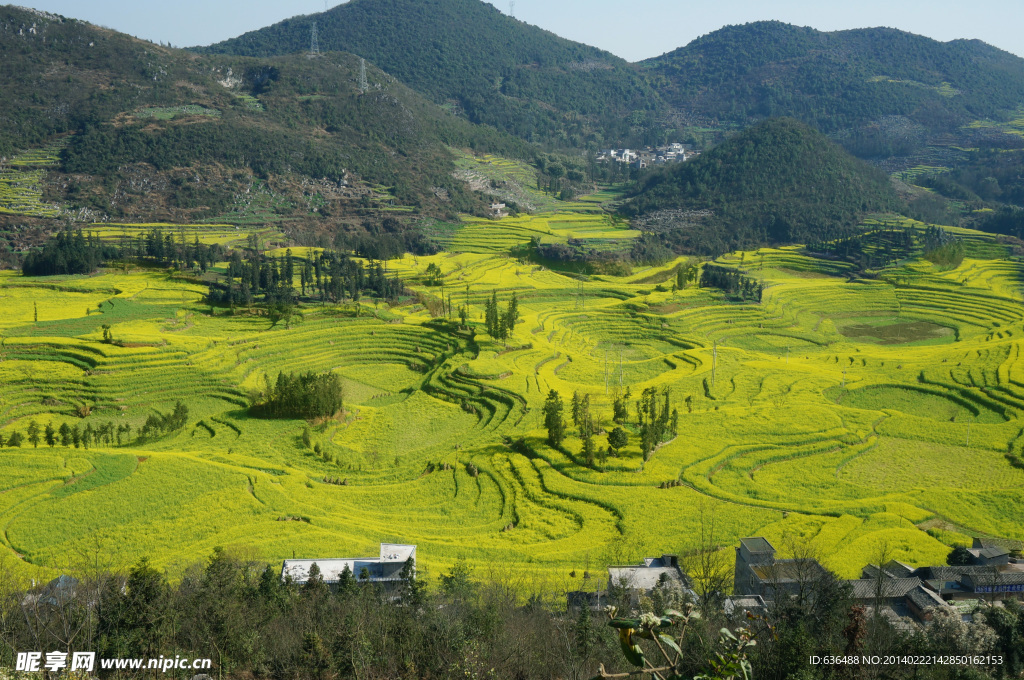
238	613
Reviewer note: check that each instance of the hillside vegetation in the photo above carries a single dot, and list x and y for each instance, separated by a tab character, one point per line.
166	134
491	68
778	182
839	80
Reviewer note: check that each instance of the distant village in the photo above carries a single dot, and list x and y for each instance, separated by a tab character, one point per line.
642	158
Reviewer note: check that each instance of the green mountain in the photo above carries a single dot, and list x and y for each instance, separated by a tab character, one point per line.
854	80
162	134
777	182
489	67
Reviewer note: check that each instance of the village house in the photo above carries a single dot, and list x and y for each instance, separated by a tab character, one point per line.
670	153
654	573
759	572
384	569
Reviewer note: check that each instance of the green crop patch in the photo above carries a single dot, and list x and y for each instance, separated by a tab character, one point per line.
890	332
918	402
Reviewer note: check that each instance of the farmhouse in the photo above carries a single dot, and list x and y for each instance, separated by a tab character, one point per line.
758	572
384	569
654	573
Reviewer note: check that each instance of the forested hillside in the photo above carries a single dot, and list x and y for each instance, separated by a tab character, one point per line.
844	80
161	133
778	182
488	66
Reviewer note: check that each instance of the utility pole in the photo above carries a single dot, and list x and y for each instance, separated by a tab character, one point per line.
620	368
606	373
844	379
714	362
362	76
968	434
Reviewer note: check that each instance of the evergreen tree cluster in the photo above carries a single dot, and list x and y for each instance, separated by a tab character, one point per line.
500	325
68	251
164	423
732	282
173	250
1006	220
306	396
942	247
71	251
251	623
328	275
870	250
656	419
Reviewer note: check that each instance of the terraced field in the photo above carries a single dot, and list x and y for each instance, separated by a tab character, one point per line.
851	414
21	184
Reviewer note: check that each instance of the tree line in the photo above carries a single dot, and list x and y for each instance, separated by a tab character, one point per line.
327	275
104	433
238	612
71	251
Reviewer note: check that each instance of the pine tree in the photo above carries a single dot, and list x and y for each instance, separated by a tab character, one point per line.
491	320
553	419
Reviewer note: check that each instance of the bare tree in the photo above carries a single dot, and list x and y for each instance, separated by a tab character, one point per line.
710	574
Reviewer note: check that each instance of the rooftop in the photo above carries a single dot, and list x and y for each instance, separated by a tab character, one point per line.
789	570
387	567
923	598
643	577
870	588
757	545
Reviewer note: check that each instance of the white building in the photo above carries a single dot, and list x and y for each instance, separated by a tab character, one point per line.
385	568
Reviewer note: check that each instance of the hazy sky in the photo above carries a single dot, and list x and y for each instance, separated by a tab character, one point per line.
633	29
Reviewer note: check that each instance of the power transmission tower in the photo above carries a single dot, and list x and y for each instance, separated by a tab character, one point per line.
314	43
512	8
362	76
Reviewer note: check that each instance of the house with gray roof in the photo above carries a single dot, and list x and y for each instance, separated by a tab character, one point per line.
654	573
759	572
